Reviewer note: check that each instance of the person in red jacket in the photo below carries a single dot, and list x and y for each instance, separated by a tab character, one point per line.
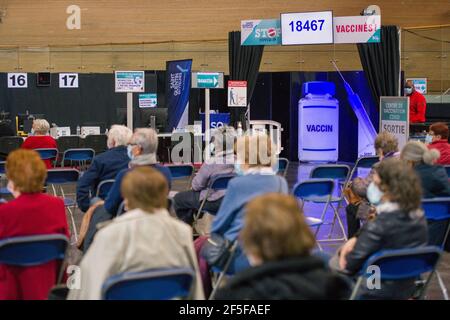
40	139
417	103
437	138
30	213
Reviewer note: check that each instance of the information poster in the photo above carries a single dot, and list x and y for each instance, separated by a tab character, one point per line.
129	81
237	93
394	118
147	100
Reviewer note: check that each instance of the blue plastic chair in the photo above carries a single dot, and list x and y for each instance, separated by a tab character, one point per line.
182	171
220	273
34	250
447	168
401	264
437	211
80	156
48	154
318	191
159	284
340	173
363	163
3	191
104	187
283	166
61	178
217	182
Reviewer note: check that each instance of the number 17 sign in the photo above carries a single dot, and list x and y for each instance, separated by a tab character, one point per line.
68	80
307	28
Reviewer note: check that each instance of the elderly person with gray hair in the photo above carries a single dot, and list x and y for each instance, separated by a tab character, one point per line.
104	166
39	139
141	150
185	203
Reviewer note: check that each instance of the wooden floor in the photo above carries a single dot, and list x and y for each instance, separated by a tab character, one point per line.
296	173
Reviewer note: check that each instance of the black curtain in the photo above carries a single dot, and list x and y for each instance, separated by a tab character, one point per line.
381	63
244	64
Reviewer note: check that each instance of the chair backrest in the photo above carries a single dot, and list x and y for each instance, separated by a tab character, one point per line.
364	163
401	264
79	154
180	171
47	153
97	142
283	166
161	284
220	181
339	172
2	167
62	176
447	168
121	208
436	210
313	189
104	187
68	142
8	144
33	250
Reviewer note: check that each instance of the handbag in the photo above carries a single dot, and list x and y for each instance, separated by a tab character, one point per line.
216	250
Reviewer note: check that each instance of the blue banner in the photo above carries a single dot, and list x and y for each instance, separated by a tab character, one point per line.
178	85
216	120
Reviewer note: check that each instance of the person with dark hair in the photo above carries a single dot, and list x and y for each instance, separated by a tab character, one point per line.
278	243
399	223
437	138
417	103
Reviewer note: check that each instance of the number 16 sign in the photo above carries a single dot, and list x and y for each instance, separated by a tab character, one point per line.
68	80
307	28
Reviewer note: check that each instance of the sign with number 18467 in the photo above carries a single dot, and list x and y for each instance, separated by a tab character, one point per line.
307	28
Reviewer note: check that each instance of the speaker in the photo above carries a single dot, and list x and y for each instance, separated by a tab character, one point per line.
43	79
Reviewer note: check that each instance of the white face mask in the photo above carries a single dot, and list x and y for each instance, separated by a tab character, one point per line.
408	91
428	138
374	194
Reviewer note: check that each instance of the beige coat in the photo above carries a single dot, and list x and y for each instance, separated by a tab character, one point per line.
137	241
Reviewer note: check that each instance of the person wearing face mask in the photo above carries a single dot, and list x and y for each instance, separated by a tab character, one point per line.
278	243
142	151
40	139
30	213
399	223
254	161
437	138
104	166
417	103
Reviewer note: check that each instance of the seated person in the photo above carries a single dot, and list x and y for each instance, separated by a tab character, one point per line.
433	178
386	146
142	152
30	213
278	243
144	238
104	166
186	203
254	167
40	139
437	138
399	223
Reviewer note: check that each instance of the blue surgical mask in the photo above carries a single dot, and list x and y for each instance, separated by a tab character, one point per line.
428	138
129	152
238	169
374	194
408	91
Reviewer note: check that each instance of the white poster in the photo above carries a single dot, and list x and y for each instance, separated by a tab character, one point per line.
129	81
307	28
68	80
17	80
237	93
358	29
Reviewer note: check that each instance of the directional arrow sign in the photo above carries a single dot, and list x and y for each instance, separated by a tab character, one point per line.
207	80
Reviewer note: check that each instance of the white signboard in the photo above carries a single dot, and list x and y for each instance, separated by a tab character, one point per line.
147	100
129	81
68	80
394	118
17	80
420	84
85	131
237	93
307	28
358	29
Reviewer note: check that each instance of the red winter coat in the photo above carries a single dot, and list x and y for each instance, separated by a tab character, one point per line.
40	142
444	148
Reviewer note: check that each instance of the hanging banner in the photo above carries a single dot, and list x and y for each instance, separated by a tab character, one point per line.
147	100
394	118
237	93
357	29
261	32
178	84
420	84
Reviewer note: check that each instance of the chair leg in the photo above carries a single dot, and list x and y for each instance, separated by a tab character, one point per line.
341	226
442	285
74	227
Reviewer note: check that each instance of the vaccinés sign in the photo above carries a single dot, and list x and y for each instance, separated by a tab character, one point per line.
358	29
261	32
394	117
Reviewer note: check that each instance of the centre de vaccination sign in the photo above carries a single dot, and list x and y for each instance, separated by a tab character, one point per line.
394	117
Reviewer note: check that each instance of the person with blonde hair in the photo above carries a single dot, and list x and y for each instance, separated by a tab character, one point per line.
40	139
278	243
104	166
144	238
30	213
434	179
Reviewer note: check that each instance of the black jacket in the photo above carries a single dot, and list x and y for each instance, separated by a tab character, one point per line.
434	180
390	230
294	279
